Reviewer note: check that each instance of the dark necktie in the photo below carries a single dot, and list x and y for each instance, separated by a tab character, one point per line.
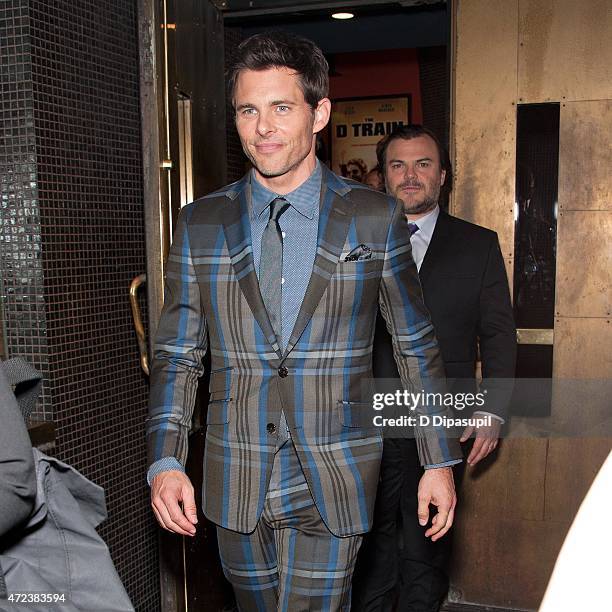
271	265
413	228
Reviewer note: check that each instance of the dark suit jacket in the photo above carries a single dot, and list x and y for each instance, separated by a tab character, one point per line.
465	288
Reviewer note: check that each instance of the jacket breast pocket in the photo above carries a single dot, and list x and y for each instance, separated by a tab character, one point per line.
358	270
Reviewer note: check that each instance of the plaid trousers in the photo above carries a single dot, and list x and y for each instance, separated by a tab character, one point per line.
291	562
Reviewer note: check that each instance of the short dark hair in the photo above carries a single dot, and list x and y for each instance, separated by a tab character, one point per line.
281	50
408	132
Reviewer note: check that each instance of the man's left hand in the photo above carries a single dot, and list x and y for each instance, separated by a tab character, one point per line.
437	487
485	442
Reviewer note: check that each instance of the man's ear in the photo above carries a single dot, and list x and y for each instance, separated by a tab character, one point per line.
321	115
442	177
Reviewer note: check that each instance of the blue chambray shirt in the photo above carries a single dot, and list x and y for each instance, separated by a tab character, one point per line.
299	225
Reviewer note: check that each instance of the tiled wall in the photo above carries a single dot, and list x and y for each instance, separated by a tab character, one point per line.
23	301
72	240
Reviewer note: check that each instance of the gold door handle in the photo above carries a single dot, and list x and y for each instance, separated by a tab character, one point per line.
140	280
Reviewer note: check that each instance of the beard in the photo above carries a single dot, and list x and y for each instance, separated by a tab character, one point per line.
416	207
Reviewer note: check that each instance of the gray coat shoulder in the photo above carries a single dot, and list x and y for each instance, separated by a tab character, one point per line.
17	473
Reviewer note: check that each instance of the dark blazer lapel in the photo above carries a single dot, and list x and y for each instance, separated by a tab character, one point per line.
335	216
237	228
436	248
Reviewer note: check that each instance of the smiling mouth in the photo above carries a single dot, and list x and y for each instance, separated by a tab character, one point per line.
268	147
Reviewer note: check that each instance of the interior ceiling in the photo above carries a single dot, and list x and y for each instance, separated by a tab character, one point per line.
378	24
236	8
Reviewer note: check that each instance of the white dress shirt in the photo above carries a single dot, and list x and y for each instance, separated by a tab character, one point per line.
420	240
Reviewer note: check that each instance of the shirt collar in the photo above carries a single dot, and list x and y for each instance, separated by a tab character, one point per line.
304	199
427	224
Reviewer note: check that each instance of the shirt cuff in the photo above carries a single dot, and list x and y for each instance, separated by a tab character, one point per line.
433	466
165	464
495	416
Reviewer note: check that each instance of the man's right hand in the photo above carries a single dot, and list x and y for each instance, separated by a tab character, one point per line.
170	490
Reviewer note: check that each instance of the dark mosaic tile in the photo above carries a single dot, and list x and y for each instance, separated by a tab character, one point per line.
72	239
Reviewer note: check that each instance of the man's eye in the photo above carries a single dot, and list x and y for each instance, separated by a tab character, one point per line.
282	108
423	164
396	166
248	111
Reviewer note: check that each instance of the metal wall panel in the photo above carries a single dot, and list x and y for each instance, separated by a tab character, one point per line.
514	511
564	51
584	264
498	488
582	348
584	258
484	117
504	562
583	303
584	136
581	352
483	152
572	466
581	392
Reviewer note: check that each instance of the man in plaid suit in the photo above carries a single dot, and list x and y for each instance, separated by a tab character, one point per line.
292	457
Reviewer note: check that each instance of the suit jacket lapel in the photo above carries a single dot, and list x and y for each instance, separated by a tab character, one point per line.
237	228
335	216
436	247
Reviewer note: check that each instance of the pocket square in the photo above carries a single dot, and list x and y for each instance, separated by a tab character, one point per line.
359	253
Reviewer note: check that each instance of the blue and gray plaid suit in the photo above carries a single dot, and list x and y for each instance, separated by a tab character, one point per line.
213	301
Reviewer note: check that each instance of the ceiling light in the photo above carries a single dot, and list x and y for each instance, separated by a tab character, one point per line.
343	15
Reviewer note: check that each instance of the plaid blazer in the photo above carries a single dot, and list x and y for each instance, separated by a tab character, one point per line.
212	301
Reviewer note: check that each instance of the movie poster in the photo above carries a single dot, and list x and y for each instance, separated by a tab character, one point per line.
357	125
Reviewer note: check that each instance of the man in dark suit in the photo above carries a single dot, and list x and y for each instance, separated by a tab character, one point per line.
466	291
280	275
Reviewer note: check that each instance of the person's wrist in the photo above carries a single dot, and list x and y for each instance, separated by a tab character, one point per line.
163	465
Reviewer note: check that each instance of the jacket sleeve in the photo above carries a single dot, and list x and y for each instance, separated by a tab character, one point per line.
415	347
17	474
496	333
179	348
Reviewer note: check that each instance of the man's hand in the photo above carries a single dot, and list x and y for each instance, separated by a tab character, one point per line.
168	490
437	487
486	440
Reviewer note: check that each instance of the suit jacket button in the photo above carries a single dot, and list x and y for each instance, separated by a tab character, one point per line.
283	372
271	427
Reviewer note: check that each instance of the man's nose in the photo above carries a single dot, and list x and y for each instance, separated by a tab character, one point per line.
410	171
265	124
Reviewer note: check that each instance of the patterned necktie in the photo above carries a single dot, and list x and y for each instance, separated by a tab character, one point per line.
271	265
413	228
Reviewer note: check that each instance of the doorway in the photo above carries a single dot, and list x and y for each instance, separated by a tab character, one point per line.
390	54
